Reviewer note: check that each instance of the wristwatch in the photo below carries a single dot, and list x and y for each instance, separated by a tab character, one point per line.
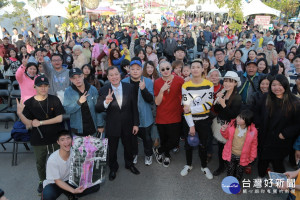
41	123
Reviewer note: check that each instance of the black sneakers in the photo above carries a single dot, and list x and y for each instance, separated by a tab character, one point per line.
40	187
158	156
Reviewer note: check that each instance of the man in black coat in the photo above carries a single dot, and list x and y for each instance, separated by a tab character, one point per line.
122	119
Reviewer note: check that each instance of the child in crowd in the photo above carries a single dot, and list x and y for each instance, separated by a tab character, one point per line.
125	49
241	146
186	72
150	55
177	67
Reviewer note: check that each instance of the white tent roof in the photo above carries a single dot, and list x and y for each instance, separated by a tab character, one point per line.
54	8
191	8
257	7
208	7
117	8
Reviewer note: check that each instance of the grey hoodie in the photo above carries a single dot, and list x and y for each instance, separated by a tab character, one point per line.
58	81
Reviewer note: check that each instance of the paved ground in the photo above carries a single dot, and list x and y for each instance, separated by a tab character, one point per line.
155	182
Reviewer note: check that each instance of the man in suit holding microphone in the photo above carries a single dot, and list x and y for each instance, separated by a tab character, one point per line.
122	119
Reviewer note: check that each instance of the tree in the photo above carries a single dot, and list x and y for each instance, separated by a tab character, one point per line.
20	15
235	12
74	21
3	3
287	7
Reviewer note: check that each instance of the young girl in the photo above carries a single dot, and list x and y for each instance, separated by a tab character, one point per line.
177	66
186	72
151	55
241	146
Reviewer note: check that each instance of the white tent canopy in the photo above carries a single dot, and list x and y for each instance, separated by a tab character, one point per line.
54	8
208	6
118	9
257	7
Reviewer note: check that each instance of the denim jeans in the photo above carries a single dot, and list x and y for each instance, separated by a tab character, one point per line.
52	191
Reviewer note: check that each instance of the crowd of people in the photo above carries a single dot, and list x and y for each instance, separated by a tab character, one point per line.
238	87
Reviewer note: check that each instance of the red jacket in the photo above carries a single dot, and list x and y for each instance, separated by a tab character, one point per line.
249	151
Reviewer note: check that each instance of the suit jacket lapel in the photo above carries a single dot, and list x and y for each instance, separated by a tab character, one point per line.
124	97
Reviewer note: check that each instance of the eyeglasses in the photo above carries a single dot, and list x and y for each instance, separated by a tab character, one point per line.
56	60
165	69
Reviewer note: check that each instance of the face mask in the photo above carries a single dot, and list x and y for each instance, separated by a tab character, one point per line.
68	52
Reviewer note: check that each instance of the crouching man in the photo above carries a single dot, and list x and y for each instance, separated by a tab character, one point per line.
58	171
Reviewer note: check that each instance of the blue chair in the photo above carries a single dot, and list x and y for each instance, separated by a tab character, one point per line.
5	137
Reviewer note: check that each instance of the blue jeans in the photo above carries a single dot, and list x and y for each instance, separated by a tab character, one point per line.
52	191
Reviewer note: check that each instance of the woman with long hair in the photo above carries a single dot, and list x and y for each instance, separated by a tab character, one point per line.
252	56
263	89
116	59
25	76
89	76
228	105
206	66
23	53
149	71
278	125
157	46
200	42
11	65
262	66
142	55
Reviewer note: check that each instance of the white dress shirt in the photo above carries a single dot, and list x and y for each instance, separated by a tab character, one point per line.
115	89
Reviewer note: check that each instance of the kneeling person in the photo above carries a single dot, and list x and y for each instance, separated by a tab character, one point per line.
58	171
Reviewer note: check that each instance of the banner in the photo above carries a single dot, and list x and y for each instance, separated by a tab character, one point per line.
88	162
263	21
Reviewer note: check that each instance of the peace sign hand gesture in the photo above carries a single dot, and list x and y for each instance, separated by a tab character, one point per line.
82	99
142	84
109	97
20	106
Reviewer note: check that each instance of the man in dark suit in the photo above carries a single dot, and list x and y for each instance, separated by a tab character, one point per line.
122	119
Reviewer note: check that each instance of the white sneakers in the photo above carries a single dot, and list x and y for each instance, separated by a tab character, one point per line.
166	162
135	157
148	160
207	173
186	169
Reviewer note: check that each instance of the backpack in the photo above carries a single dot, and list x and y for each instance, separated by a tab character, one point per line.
19	132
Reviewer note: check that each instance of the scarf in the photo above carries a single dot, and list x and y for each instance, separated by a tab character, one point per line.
242	131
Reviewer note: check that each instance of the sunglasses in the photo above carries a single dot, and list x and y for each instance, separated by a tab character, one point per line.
165	69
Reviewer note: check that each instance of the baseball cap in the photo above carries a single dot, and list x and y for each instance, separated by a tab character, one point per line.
74	71
251	62
41	80
248	40
5	38
271	43
193	140
136	62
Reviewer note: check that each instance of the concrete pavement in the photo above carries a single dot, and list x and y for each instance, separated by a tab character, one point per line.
155	182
